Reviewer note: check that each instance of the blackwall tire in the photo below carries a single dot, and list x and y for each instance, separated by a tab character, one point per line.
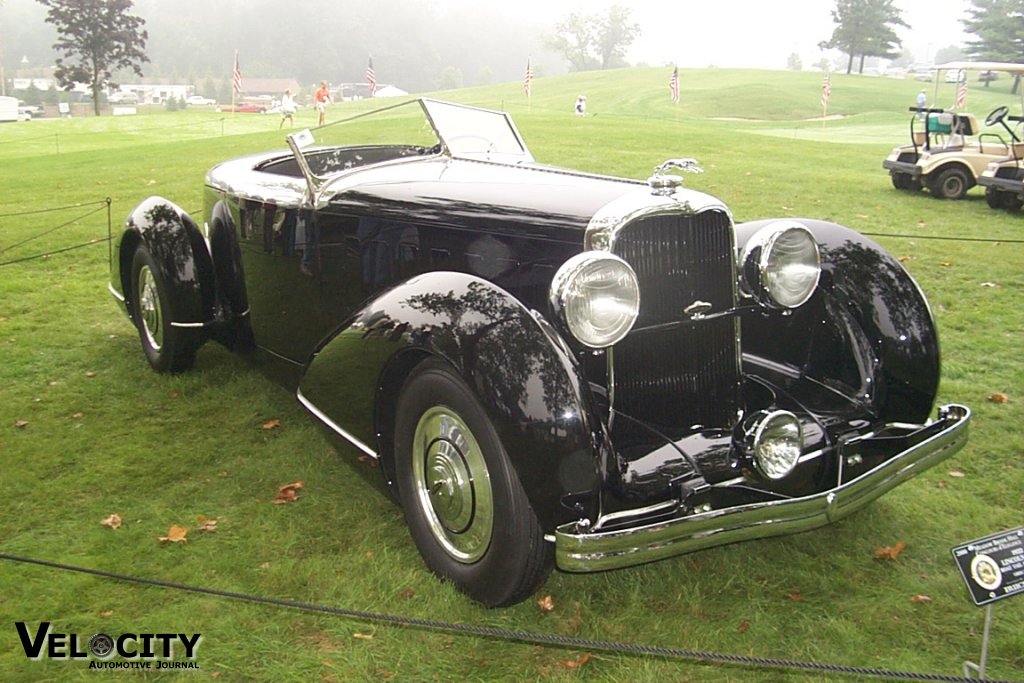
167	348
465	507
951	183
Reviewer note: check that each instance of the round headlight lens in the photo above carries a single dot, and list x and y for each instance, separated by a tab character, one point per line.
598	297
778	440
784	259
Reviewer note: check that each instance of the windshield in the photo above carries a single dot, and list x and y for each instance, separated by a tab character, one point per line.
471	131
415	128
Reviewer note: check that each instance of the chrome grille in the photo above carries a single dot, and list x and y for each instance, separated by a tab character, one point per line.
689	374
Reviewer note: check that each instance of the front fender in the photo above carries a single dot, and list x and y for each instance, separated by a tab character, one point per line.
176	243
868	331
526	381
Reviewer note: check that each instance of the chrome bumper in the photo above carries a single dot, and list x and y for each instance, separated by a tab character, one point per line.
579	551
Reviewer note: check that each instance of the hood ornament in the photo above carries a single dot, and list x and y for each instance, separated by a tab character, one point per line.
663	184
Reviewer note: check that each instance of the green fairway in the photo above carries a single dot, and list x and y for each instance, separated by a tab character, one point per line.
88	431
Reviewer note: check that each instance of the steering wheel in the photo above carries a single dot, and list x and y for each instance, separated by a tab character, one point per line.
996	116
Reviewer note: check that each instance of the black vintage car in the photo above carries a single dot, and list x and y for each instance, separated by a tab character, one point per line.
547	366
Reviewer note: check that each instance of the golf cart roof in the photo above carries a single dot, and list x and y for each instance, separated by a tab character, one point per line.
981	66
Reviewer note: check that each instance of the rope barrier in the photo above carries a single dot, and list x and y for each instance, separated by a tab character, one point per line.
633	649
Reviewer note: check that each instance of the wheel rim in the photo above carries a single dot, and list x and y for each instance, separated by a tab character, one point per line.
452	484
150	315
953	186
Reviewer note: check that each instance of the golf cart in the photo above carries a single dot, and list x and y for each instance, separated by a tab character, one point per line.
947	151
1003	180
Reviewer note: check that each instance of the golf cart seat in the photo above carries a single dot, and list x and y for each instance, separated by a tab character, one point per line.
950	129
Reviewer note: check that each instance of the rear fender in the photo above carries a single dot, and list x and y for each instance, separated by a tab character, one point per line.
513	362
868	329
177	245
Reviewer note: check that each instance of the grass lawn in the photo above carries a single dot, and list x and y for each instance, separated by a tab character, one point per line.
87	430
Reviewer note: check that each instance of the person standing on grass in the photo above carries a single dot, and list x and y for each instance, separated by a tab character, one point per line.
287	109
321	98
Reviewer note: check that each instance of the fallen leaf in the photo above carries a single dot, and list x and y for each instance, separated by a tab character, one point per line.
903	259
265	565
575	663
206	524
173	394
957	474
21	424
113	521
546	604
989	284
77	416
795	596
941	484
151	182
920	598
107	613
176	534
946	264
886	552
744	626
287	493
999	397
861	215
272	424
408	593
90	373
363	636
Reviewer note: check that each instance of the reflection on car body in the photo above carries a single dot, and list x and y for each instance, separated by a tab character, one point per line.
543	366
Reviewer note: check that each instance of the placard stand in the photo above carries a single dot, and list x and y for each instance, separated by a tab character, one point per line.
980	668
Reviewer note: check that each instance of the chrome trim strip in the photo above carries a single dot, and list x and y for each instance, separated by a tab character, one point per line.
116	294
637	512
580	551
193	325
308	405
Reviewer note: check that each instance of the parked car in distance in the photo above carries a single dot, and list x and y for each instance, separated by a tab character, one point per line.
546	367
120	97
244	107
199	100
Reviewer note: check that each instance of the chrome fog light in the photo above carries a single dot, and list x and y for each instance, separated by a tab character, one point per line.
597	296
781	265
778	440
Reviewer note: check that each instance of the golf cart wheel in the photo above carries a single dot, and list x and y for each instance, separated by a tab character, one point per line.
951	183
904	181
999	199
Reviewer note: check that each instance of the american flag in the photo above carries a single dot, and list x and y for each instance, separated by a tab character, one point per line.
826	90
961	93
371	78
673	85
236	76
528	78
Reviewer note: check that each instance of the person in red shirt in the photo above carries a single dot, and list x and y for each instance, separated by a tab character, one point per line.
321	98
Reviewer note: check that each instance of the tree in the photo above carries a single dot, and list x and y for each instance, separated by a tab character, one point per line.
999	26
794	63
865	28
96	38
595	41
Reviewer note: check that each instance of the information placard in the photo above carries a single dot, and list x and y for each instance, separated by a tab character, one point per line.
993	567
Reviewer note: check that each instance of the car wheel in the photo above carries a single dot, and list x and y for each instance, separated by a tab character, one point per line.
465	507
950	183
167	348
903	181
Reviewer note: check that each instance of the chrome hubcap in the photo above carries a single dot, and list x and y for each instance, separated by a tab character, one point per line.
152	317
453	487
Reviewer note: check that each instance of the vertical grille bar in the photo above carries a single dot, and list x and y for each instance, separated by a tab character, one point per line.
687	375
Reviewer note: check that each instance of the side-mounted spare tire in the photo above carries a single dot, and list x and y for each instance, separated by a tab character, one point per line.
167	348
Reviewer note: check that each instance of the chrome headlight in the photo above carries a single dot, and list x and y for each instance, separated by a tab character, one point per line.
776	440
781	265
597	296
